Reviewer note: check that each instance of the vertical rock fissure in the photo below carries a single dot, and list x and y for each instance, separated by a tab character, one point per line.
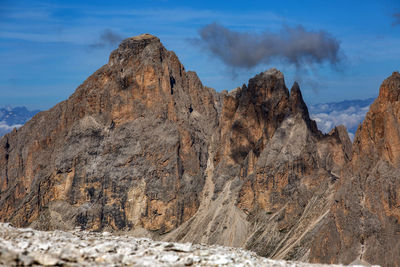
172	83
38	196
7	148
362	223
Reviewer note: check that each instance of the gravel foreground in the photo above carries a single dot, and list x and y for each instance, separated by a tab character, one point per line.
28	247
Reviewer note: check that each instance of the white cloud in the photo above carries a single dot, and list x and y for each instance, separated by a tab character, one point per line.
4	128
350	117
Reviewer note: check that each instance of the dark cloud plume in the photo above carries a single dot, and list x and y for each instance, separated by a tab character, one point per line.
396	19
292	45
107	38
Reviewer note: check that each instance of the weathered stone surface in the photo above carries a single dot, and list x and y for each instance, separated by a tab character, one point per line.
128	149
143	146
365	217
82	248
271	173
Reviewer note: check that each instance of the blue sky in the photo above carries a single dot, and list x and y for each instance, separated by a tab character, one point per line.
48	48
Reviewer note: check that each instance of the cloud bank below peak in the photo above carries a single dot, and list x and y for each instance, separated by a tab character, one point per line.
349	113
4	128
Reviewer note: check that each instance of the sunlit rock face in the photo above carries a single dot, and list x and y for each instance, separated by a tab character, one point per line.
365	216
128	149
271	173
143	146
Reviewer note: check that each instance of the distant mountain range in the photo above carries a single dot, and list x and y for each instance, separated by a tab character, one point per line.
350	113
11	118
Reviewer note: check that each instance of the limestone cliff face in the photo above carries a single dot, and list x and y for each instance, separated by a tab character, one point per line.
271	173
365	217
128	149
143	146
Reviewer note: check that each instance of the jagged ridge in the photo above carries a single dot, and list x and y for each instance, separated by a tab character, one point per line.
142	145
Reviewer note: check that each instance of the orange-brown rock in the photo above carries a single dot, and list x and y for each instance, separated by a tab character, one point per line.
365	218
143	146
124	150
271	173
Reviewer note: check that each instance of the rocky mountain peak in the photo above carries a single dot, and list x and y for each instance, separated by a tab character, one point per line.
390	88
143	146
298	106
134	46
267	86
132	42
367	203
273	72
296	99
144	36
378	137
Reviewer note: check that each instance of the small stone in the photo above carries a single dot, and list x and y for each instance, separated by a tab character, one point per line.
101	259
25	260
196	259
106	234
129	261
222	260
45	246
68	255
204	252
188	262
7	256
27	234
44	259
169	245
179	247
23	244
169	258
